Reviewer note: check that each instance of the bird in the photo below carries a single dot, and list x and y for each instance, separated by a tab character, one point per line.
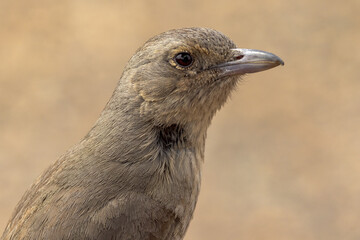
137	173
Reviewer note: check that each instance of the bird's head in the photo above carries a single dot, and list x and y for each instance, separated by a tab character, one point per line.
186	75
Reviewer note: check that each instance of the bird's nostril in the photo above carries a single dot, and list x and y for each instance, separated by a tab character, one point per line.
239	57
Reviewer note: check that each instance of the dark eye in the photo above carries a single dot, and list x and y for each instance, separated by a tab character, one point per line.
183	59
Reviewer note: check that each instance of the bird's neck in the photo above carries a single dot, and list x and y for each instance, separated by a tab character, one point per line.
167	158
121	130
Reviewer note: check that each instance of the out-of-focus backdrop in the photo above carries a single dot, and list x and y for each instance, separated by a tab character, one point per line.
282	156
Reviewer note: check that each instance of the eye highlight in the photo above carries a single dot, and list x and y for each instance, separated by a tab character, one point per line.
183	59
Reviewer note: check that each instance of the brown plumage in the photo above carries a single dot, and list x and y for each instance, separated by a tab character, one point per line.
136	174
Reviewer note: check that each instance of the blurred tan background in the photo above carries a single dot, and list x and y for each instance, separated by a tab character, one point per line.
282	156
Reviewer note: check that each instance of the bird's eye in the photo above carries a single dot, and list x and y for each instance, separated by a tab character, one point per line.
184	59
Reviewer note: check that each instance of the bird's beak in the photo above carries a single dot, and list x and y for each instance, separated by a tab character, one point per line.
248	61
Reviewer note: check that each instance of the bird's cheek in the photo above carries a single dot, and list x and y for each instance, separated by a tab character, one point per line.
154	92
153	88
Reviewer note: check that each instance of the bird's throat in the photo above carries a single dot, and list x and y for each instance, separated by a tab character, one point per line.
171	136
